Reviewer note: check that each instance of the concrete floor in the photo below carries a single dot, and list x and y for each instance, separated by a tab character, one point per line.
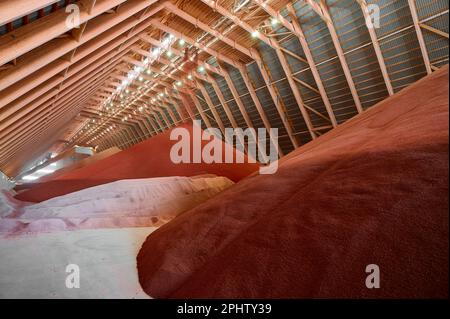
35	266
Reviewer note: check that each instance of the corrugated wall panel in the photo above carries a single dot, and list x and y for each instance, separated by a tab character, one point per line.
398	42
430	11
325	56
353	35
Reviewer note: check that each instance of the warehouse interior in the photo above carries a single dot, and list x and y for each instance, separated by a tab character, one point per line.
92	93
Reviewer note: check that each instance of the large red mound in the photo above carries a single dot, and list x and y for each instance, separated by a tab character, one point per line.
373	191
150	158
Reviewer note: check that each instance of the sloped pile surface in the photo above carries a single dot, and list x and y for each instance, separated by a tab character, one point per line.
373	191
148	159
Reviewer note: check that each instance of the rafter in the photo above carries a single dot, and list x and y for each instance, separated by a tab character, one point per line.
297	30
52	75
423	46
376	45
322	10
109	26
281	57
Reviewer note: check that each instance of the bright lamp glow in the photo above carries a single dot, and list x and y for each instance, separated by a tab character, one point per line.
165	43
30	178
45	171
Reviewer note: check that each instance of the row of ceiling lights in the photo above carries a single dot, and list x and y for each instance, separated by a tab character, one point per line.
133	74
137	70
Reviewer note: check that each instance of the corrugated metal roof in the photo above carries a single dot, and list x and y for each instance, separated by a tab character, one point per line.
73	77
